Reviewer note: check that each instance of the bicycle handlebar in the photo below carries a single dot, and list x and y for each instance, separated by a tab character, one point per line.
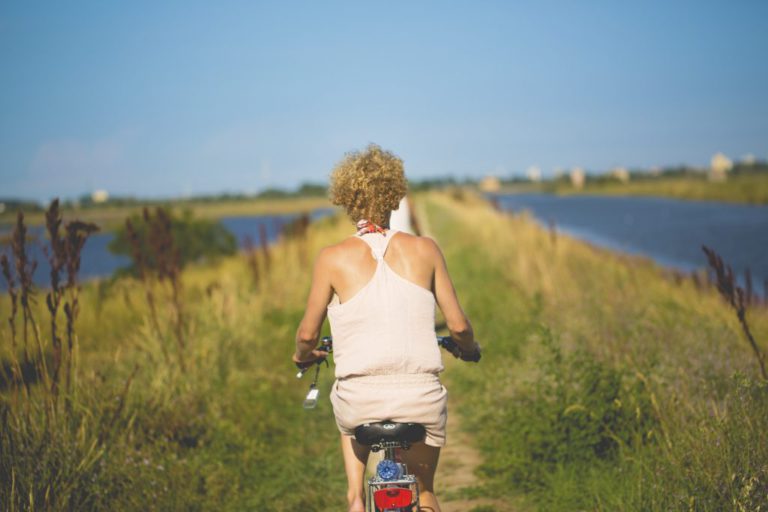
326	345
446	342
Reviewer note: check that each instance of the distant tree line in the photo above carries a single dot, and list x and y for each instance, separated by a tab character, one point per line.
320	189
12	205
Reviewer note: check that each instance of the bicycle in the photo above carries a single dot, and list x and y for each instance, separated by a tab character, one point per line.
391	488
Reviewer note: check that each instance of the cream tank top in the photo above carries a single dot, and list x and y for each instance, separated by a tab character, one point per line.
388	327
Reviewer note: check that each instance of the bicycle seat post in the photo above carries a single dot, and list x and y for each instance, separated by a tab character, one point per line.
389	453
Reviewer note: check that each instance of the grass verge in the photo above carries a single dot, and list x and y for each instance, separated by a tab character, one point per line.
605	386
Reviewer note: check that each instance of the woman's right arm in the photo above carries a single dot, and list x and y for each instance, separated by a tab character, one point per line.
445	294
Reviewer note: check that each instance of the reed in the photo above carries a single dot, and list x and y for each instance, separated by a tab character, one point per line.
156	259
63	254
25	269
46	447
168	267
16	374
264	243
736	297
77	234
57	259
140	265
252	257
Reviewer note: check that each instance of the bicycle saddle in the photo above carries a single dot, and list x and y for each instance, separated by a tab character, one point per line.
385	432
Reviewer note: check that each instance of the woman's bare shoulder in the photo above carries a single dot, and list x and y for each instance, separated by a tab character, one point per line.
422	245
340	250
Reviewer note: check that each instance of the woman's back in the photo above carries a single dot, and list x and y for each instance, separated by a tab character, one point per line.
353	266
382	314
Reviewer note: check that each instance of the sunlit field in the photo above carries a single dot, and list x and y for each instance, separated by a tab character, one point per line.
607	383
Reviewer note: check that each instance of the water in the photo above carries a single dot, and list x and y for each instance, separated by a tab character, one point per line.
97	261
667	230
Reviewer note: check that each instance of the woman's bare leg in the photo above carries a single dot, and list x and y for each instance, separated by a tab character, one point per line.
421	460
355	459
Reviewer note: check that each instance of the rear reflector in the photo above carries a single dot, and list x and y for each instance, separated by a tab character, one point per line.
392	498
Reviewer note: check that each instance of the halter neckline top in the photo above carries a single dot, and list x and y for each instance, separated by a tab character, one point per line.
388	326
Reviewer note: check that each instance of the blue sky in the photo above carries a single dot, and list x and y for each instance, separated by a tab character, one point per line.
178	98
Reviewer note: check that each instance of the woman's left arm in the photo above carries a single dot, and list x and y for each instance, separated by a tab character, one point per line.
319	296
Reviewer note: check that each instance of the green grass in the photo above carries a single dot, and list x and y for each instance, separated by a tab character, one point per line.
229	434
603	386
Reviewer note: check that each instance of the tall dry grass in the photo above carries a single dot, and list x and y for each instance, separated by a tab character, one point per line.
227	433
587	349
738	298
50	436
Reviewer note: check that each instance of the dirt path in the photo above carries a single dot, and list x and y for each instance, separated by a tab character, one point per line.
456	474
459	459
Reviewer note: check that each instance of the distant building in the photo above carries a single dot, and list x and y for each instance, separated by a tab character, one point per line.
577	177
490	184
655	171
534	174
620	173
100	196
719	167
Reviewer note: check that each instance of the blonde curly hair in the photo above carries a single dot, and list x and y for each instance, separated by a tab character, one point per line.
369	184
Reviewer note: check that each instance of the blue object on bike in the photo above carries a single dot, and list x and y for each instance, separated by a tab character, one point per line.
388	470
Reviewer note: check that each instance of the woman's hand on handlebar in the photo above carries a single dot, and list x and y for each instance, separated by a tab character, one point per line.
316	356
451	346
472	356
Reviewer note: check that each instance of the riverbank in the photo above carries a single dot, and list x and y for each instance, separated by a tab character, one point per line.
109	217
604	384
747	188
670	231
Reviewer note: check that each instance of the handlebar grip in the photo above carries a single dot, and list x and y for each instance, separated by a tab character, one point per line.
451	346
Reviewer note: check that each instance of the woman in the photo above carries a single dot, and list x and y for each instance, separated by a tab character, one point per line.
379	290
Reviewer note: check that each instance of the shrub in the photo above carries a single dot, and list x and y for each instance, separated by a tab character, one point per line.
195	239
577	412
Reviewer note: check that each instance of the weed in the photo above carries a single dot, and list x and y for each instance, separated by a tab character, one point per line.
737	298
252	257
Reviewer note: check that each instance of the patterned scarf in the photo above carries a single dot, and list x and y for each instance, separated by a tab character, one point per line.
365	226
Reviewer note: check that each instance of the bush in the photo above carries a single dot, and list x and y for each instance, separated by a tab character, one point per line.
195	239
579	412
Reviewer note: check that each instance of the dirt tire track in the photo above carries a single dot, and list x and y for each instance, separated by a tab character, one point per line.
459	459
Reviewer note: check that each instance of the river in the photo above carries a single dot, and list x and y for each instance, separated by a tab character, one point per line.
98	261
669	231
